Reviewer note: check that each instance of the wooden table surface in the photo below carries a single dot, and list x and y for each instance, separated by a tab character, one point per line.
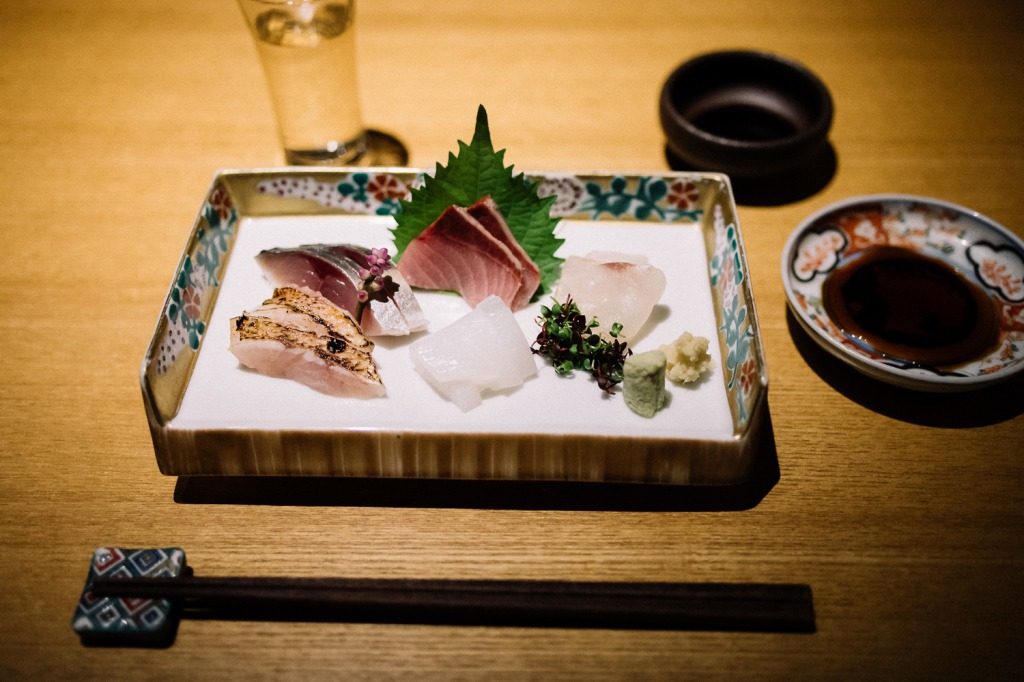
902	511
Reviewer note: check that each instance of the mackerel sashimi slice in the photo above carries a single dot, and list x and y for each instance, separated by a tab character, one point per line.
333	270
301	335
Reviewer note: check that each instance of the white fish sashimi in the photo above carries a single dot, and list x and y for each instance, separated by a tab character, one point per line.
612	288
483	351
616	257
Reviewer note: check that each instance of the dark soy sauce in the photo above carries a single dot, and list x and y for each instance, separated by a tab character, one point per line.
911	307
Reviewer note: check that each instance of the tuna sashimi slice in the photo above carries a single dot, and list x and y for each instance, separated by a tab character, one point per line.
612	288
333	270
456	253
302	336
483	351
488	214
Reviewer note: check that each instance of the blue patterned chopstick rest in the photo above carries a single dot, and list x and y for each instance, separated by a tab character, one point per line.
127	621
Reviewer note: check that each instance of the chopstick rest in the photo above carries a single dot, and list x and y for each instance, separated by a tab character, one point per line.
125	620
752	607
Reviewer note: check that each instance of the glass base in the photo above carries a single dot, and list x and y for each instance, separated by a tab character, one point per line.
379	149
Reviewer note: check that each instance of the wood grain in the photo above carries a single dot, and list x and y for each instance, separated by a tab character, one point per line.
902	511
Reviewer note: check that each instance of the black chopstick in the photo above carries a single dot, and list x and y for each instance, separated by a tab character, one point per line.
754	607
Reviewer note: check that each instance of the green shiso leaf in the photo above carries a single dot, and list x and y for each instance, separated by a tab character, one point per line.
478	171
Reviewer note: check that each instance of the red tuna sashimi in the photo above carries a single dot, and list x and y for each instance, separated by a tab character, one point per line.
333	271
456	253
487	214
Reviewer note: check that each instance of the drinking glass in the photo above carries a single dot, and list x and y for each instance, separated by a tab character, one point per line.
308	53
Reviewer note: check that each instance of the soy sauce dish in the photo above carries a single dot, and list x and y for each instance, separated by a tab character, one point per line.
915	292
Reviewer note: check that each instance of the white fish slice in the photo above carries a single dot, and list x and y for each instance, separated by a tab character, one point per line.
612	287
481	352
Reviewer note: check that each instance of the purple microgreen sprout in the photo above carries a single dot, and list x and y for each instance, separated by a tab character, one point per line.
568	339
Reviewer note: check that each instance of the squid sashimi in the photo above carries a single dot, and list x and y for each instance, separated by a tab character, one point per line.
612	287
459	253
334	271
481	352
303	336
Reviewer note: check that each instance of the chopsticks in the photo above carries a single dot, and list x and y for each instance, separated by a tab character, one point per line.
753	607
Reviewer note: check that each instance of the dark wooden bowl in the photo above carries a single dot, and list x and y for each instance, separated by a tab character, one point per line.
745	113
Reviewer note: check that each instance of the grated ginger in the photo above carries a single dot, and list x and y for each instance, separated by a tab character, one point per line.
687	358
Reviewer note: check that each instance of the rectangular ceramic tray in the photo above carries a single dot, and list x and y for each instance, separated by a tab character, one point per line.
210	416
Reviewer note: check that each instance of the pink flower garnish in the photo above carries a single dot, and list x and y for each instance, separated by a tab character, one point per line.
376	285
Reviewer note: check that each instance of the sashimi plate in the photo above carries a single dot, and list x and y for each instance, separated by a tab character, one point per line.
210	416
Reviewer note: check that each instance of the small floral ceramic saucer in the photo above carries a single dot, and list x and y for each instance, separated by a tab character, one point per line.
977	248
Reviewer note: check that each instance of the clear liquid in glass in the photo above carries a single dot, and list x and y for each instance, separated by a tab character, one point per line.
309	58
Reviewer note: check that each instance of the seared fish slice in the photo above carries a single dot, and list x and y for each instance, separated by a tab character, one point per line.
301	335
313	312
